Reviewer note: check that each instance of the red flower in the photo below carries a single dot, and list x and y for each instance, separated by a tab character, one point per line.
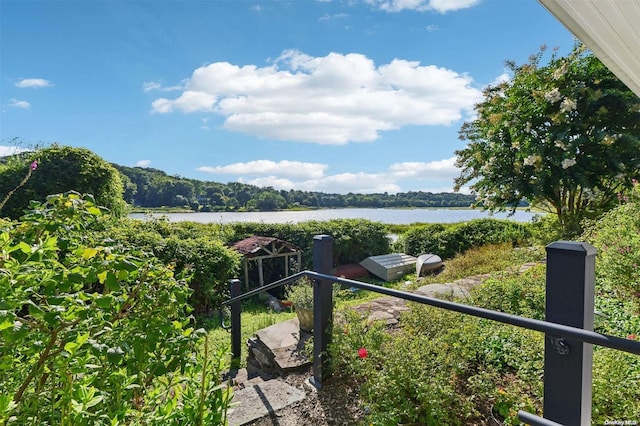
632	337
362	352
287	303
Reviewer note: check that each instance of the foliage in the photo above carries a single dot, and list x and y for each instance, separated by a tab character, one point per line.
93	332
617	238
430	372
60	169
192	249
354	239
300	293
616	386
448	240
147	187
545	229
521	294
564	136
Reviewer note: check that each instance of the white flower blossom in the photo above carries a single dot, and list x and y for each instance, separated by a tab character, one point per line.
559	72
568	105
568	163
527	127
530	160
553	96
562	145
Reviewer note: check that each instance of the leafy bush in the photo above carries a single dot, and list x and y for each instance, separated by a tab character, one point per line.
522	294
617	237
60	169
448	240
194	250
444	368
96	333
354	239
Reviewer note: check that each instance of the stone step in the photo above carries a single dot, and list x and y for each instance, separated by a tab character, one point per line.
278	349
261	399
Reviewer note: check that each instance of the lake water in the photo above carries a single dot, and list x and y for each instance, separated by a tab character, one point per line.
388	216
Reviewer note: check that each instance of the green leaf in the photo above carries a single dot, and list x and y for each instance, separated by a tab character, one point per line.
89	253
115	354
94	401
35	310
112	282
22	246
71	347
104	302
6	324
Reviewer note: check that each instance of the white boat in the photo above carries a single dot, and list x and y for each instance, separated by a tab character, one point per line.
428	263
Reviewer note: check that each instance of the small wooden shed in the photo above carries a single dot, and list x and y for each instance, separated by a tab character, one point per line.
257	248
390	267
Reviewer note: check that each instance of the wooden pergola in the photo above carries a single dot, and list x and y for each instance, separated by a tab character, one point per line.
258	248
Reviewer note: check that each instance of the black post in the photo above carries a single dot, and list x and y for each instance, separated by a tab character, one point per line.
568	362
322	307
236	327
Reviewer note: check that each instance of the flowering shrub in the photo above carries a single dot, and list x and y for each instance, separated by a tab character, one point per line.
96	333
565	136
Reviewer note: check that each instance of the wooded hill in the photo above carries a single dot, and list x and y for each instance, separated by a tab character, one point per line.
148	187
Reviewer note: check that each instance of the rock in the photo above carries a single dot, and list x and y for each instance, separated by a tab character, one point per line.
262	399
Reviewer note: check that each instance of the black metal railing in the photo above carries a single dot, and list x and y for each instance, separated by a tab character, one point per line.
568	326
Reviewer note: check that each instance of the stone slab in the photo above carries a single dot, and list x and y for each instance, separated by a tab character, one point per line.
286	345
261	399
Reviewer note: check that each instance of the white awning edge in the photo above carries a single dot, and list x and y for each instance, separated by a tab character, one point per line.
609	28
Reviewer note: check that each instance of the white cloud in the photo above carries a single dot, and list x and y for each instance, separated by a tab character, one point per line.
362	183
334	99
434	170
15	103
10	150
292	169
148	86
327	17
440	6
151	86
504	77
33	83
143	163
311	176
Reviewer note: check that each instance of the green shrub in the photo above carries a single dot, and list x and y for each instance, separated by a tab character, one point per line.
354	239
617	237
616	386
522	294
192	249
94	332
442	367
60	169
448	240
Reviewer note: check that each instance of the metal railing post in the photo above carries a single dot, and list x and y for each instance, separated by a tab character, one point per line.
322	307
236	327
568	362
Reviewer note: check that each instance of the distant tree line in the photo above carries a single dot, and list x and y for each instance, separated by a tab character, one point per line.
148	187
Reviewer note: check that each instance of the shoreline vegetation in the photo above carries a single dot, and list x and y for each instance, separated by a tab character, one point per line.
165	209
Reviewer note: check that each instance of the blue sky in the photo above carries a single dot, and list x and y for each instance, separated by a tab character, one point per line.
333	96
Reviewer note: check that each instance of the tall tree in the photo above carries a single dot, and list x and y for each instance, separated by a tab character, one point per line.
564	136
